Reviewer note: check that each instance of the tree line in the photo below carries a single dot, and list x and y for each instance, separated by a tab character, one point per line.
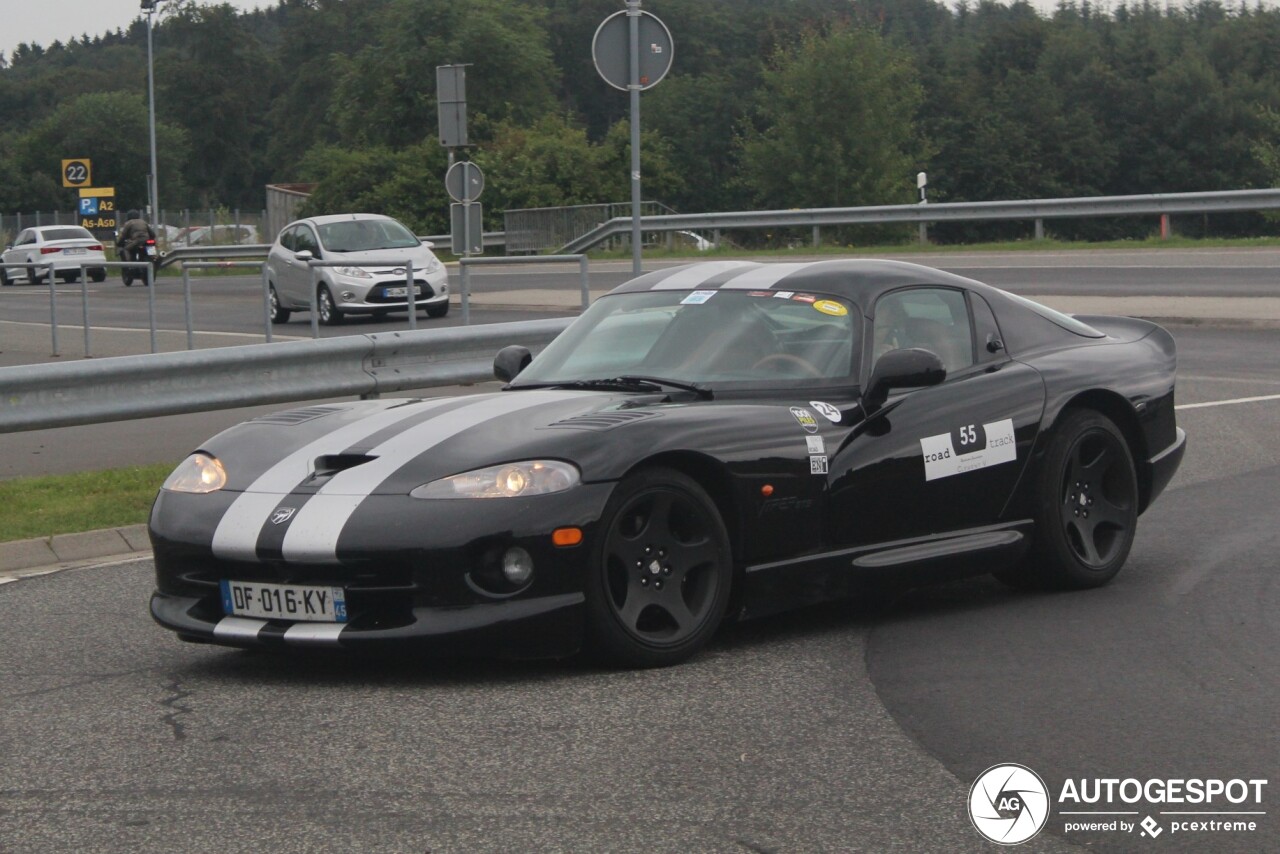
769	104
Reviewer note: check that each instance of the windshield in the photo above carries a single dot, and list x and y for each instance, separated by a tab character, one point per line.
364	235
723	338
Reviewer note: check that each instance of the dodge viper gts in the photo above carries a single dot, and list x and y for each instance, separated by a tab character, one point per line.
719	440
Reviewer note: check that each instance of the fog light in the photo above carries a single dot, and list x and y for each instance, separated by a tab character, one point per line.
517	566
348	296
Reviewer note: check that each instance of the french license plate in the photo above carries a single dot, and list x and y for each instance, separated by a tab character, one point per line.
284	602
73	251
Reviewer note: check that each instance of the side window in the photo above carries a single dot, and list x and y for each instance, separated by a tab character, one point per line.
935	319
305	241
287	240
25	238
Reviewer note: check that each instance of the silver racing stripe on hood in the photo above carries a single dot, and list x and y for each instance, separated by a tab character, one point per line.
236	537
313	534
692	277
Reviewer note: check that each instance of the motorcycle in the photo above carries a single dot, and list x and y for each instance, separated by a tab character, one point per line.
146	252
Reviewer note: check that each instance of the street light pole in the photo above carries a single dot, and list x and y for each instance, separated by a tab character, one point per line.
154	183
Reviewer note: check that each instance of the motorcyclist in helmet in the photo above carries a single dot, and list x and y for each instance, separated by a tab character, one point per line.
135	232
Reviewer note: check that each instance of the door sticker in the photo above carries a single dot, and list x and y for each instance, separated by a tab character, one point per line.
968	448
817	465
815	444
828	411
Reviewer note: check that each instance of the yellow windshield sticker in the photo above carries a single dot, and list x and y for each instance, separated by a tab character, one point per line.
831	307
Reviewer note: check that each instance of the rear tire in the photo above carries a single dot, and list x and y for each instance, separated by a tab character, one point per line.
659	578
1086	510
98	274
33	278
328	310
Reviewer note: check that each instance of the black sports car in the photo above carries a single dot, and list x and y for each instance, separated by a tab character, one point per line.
719	439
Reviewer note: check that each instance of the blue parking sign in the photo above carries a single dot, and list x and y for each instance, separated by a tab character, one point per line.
89	207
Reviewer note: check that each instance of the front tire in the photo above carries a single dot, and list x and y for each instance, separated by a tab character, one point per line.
659	580
5	281
1086	507
438	310
329	313
277	314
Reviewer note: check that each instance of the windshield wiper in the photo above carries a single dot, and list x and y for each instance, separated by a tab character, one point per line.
626	383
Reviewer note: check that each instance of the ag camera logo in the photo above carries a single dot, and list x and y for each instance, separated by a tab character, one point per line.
1008	804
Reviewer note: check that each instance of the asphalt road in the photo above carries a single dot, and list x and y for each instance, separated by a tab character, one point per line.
233	304
850	727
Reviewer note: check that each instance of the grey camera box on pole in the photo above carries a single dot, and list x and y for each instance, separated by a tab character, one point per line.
451	101
460	228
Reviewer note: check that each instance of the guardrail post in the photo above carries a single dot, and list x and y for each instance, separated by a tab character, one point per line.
53	310
1039	229
924	233
186	305
586	288
817	236
466	291
715	238
266	303
315	298
411	295
151	304
84	310
1165	231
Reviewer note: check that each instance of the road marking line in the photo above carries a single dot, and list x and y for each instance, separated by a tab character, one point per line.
275	335
1234	400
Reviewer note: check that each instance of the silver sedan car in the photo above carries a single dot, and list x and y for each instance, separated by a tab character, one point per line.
66	247
366	273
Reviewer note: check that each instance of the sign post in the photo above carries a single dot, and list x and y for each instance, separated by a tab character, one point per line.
632	51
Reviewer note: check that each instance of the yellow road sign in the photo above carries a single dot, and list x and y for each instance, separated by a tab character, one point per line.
77	172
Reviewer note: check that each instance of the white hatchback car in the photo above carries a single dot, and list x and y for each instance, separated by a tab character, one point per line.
371	279
64	246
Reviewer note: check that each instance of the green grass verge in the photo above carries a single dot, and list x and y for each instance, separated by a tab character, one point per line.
68	503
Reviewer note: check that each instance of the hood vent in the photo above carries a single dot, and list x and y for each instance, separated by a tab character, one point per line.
296	416
601	421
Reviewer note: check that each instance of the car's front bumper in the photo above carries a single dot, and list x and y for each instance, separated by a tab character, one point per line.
542	627
360	295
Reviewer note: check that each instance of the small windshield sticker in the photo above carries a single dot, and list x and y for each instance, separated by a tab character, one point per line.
806	419
697	297
815	444
826	410
968	448
809	298
817	465
831	307
783	294
767	294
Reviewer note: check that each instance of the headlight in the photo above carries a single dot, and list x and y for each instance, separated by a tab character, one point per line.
199	473
352	272
531	477
433	264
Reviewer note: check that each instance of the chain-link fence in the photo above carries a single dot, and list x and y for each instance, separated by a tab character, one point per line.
212	227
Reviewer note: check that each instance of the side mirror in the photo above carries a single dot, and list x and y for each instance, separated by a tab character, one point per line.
510	361
304	256
902	369
430	244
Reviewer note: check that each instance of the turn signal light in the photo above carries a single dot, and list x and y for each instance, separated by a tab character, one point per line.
566	536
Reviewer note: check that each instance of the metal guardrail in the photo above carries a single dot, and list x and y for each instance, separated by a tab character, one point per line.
1037	209
260	250
37	397
465	265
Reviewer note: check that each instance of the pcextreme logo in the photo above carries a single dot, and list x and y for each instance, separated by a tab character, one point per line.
1009	804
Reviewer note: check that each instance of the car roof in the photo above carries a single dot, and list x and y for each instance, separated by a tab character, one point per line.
348	217
859	280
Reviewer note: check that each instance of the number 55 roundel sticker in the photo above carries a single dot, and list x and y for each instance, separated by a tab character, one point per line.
968	448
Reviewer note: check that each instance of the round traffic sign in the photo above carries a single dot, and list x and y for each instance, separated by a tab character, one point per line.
464	181
611	50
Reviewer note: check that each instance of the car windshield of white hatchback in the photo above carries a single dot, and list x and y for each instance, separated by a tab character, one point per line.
725	338
366	235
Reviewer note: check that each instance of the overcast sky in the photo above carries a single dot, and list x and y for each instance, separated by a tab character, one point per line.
46	21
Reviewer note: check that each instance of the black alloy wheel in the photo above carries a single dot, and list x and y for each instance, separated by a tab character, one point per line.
329	313
1086	510
277	314
659	582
